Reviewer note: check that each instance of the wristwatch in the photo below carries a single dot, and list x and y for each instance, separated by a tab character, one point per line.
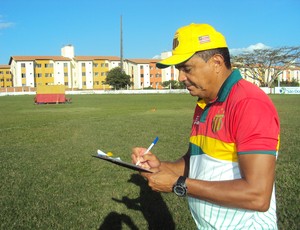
179	187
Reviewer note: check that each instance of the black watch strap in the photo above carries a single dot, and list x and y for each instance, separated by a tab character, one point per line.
179	187
181	180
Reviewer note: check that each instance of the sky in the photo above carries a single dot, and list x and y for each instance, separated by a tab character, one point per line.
43	27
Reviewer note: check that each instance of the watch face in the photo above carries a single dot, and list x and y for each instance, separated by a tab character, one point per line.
180	190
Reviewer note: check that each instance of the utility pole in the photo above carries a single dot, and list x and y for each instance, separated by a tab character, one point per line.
121	44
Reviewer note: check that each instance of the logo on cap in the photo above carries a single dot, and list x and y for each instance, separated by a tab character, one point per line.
175	41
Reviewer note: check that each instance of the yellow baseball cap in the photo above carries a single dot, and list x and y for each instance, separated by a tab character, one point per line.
190	39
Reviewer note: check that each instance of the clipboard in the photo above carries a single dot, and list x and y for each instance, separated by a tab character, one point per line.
122	163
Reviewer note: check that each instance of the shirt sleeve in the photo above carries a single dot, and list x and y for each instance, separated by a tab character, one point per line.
255	127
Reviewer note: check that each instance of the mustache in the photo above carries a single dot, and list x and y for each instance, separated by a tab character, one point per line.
187	83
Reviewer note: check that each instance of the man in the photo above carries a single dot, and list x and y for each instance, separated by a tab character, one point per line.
228	172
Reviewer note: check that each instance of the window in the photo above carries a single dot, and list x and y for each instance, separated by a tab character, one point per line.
23	75
142	75
38	65
82	64
83	74
96	74
23	65
65	74
49	65
141	67
65	64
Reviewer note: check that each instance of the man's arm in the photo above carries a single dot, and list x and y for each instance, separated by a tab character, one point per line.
179	167
253	191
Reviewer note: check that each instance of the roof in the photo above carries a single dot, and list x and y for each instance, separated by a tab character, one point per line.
91	58
143	60
4	66
33	58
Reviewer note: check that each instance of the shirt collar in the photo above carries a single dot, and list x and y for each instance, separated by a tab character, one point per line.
225	89
233	78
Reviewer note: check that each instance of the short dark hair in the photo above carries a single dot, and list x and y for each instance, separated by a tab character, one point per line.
207	54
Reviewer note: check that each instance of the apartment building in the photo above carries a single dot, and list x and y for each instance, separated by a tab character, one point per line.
144	73
32	71
5	76
293	73
90	71
84	72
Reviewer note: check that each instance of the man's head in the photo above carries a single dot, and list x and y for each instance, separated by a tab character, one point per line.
201	55
190	39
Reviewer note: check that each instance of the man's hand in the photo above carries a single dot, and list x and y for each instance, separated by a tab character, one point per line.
148	161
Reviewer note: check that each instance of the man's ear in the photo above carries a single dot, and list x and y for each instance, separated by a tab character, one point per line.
218	62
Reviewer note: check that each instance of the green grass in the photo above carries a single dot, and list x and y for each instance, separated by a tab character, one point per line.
50	181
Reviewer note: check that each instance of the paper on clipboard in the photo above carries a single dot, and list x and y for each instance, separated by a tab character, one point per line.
119	162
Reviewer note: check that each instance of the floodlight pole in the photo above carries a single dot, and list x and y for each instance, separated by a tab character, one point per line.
121	44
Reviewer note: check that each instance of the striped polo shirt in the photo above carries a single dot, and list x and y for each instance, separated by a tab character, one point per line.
242	120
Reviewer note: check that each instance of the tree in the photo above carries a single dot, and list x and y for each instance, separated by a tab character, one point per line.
266	65
117	78
173	84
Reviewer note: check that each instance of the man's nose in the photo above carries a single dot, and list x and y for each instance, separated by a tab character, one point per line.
181	76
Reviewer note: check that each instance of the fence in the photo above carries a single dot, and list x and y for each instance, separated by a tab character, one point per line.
10	91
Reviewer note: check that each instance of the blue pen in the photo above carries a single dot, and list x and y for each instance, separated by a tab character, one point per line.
150	147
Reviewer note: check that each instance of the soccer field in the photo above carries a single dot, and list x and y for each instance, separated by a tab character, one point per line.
50	181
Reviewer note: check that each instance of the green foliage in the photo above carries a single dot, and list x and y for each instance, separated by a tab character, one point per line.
50	181
265	65
292	83
117	78
173	84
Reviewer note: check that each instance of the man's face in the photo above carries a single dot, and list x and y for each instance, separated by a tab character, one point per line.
199	77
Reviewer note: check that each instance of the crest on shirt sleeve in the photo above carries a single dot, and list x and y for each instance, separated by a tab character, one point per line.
217	122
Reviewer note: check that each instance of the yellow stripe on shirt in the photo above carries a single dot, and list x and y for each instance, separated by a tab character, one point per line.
215	148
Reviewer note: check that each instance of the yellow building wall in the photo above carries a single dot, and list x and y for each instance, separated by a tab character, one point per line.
66	79
43	72
100	69
5	77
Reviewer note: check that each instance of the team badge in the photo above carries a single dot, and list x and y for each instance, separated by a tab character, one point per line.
217	122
